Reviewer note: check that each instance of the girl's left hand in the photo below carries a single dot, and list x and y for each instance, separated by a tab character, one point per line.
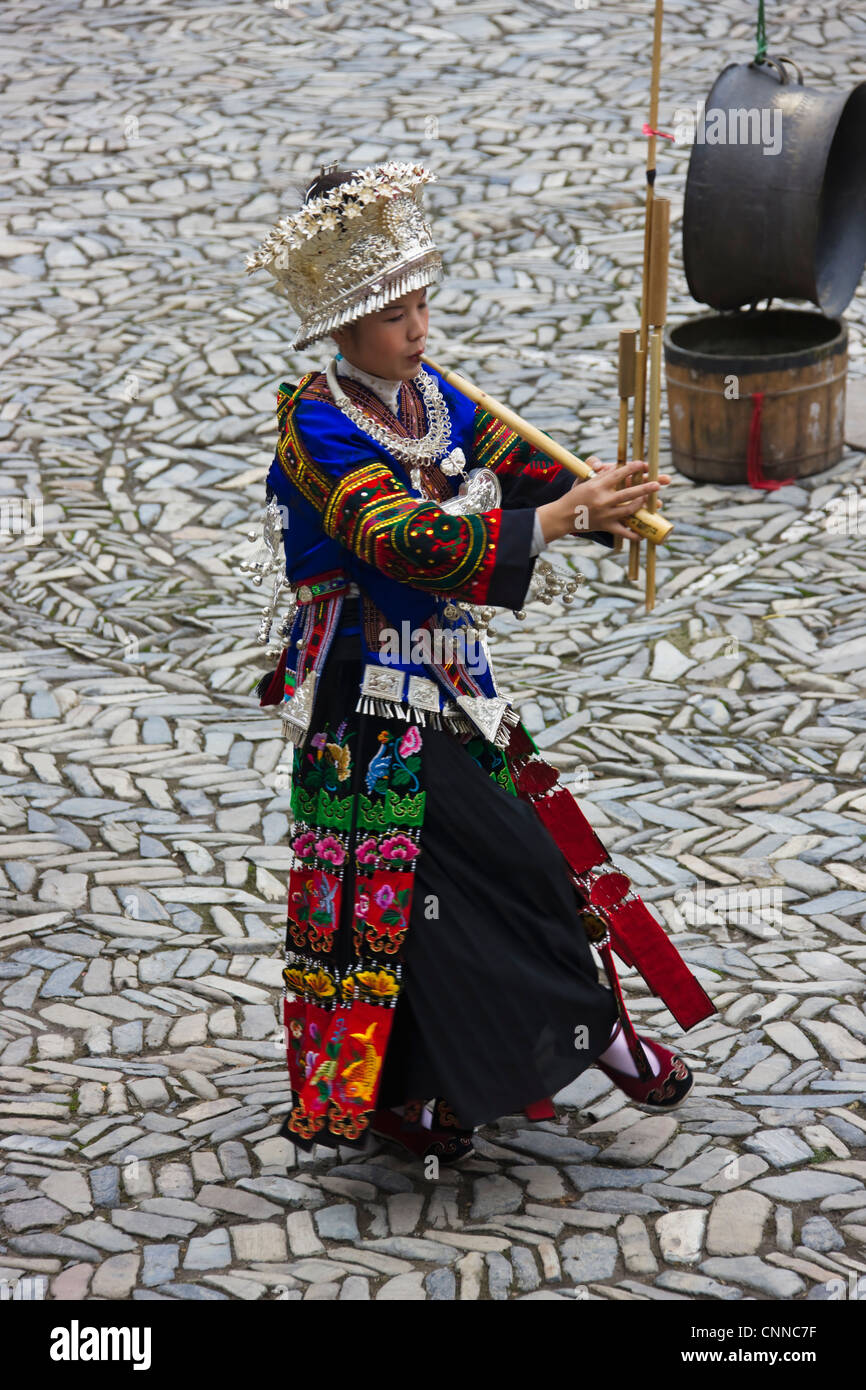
598	466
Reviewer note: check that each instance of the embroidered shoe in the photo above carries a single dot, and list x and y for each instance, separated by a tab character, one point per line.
665	1091
447	1146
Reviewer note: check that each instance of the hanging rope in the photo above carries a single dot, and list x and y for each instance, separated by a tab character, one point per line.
761	34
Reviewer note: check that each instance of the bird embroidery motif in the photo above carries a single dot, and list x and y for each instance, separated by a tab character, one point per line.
378	766
342	757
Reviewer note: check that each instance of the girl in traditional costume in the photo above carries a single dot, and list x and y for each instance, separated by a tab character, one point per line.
444	887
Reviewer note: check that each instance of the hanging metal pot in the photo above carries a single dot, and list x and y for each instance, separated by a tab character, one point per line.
775	202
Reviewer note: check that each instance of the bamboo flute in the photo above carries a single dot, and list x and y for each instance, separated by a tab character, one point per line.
643	522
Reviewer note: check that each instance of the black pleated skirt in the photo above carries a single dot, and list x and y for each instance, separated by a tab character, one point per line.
501	1003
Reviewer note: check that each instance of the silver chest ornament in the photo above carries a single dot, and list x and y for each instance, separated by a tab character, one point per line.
481	491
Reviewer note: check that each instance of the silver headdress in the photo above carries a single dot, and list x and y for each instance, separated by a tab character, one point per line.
353	250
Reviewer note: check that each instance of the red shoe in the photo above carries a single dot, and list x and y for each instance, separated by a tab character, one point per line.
665	1091
540	1110
447	1146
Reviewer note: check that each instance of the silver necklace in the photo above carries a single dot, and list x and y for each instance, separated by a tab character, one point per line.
411	451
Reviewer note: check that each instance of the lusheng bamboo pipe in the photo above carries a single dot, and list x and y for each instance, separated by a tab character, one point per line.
645	320
637	447
657	297
643	522
642	354
625	387
657	293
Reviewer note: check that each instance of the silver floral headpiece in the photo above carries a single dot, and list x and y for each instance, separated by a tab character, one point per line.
353	250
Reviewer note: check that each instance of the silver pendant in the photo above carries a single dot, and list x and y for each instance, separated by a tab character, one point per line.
486	713
297	711
482	492
455	462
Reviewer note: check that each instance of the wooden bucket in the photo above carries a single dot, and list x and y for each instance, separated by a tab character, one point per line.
716	363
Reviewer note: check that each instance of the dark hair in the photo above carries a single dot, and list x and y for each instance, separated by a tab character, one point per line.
325	182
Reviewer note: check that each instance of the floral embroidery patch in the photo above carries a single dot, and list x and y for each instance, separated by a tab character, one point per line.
339	1013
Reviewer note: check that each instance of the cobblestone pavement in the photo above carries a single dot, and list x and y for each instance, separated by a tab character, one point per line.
717	744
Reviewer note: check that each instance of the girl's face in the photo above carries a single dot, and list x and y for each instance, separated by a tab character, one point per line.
388	343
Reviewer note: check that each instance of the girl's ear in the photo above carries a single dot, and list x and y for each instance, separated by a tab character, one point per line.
344	337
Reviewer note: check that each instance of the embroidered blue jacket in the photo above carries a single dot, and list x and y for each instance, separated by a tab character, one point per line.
352	513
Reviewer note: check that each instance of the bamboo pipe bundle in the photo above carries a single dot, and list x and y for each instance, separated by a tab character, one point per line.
637	447
625	390
657	296
644	522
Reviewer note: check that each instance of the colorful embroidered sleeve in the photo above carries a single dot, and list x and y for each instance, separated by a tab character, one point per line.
529	478
365	506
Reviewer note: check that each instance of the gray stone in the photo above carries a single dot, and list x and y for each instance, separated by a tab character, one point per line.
175	1180
355	1289
792	1039
589	1257
160	1263
60	981
263	1241
337	1222
680	1235
819	1234
642	1141
611	1199
849	1134
142	1223
668	1192
403	1288
105	1185
148	1091
211	1251
115	1277
412	1248
696	1285
302	1234
128	1038
69	1189
680	1150
755	1274
780	1147
181	1209
493	1196
841	1045
525	1268
194	1292
593	1175
233	1160
38	1211
702	1168
46	1243
101	1234
379	1176
284	1190
237	1202
544	1144
805	1186
500	1275
736	1224
740	1170
635	1246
